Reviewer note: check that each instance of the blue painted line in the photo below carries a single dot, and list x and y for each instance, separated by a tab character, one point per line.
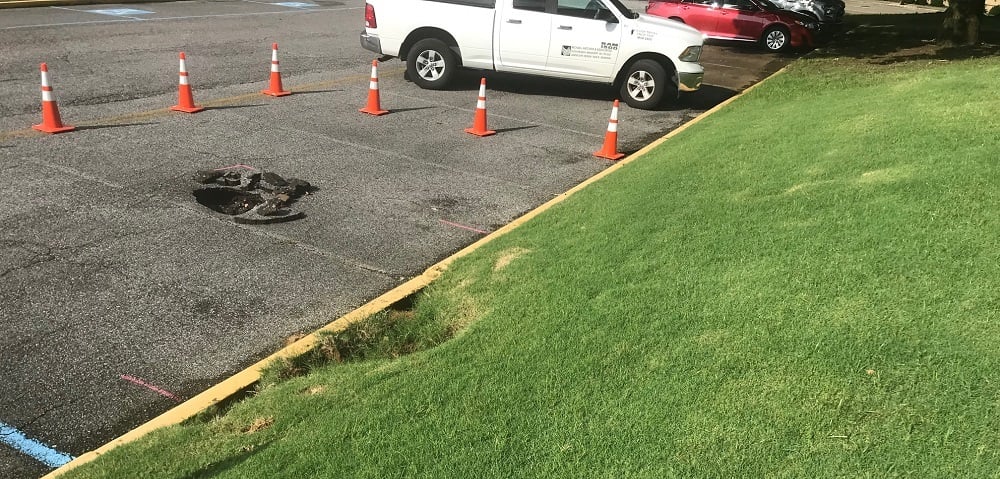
296	4
43	453
120	12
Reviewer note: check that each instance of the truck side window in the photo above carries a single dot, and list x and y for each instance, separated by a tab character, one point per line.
533	5
580	8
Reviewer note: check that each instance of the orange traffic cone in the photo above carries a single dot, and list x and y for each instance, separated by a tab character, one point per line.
51	123
275	88
185	101
373	107
610	149
479	122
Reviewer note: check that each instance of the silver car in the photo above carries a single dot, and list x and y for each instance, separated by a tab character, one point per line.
826	11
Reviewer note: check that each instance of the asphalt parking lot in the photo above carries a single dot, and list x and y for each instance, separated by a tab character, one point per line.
122	295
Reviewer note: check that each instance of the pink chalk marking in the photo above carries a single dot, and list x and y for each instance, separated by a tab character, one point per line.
469	228
238	165
151	387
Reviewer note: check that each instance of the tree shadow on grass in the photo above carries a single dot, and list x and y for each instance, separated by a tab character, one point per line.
890	39
230	462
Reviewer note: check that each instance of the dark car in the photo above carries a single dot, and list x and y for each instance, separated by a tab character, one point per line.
743	20
826	11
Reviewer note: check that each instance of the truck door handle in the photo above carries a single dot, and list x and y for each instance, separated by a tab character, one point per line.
565	27
516	22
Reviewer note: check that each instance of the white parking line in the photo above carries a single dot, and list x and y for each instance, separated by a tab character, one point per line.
724	66
286	12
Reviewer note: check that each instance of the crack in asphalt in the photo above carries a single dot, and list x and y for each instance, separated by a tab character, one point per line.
36	259
59	405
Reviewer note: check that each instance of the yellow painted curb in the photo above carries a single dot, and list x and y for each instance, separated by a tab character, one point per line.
247	377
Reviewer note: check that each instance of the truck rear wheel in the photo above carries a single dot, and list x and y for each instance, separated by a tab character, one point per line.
645	84
431	64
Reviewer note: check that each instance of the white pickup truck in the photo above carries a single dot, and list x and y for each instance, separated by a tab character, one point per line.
590	40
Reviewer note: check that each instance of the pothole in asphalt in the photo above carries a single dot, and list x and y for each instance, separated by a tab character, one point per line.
250	195
227	201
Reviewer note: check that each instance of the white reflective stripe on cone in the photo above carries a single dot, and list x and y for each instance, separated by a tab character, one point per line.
373	85
274	66
481	104
183	65
184	79
45	79
47	95
613	127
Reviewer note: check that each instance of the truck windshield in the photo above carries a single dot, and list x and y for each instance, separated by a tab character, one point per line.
622	8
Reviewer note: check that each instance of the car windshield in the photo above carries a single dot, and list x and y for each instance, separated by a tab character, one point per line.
622	8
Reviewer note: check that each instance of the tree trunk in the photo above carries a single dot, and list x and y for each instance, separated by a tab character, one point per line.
961	22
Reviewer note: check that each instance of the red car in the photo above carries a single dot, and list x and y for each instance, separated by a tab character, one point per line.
745	20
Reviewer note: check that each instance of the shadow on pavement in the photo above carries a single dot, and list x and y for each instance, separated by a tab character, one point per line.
468	80
888	39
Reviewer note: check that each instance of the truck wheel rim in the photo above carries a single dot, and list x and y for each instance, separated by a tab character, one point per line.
641	85
430	65
775	40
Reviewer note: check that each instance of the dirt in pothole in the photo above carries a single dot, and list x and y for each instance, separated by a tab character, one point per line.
227	201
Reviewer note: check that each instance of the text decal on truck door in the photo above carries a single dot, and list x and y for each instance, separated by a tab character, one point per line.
609	46
586	52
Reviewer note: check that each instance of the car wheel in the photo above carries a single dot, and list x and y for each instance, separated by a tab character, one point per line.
775	39
431	64
644	84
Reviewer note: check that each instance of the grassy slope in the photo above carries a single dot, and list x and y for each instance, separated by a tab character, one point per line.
805	284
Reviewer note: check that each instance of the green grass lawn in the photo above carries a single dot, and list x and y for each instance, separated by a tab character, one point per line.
805	284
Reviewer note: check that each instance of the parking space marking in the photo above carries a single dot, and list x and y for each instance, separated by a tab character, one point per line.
284	4
114	12
295	4
725	66
42	452
142	115
151	387
189	17
121	12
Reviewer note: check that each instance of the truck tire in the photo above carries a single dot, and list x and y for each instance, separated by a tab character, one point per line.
645	84
431	64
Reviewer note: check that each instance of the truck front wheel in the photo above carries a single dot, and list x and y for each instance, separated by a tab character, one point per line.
431	64
645	84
